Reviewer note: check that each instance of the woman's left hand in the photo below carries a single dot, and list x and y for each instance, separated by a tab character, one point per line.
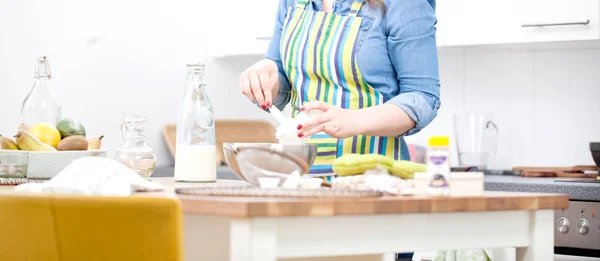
334	121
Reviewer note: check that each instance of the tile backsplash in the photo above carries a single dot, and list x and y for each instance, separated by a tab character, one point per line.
544	102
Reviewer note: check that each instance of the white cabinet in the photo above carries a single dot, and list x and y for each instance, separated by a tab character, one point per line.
560	20
247	30
461	23
476	22
491	22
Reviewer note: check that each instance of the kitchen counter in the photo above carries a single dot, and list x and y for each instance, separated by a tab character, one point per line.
576	191
242	207
271	229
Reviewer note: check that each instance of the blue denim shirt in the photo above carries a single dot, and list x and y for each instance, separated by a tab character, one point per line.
397	54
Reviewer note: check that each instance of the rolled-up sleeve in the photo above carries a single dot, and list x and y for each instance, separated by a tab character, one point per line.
273	53
410	25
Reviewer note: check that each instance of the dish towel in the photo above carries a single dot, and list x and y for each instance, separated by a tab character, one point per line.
461	255
96	176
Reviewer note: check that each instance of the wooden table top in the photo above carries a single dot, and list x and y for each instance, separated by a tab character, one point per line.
282	207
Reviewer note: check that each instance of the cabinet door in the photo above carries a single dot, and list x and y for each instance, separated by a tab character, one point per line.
560	20
249	29
477	22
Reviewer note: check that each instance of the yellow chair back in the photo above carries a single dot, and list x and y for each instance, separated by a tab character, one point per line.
76	228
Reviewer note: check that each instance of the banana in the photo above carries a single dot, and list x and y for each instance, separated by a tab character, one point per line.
28	142
8	143
95	143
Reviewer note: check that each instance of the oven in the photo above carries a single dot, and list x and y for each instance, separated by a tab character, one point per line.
577	231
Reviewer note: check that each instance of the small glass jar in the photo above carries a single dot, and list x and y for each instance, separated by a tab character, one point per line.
13	163
135	153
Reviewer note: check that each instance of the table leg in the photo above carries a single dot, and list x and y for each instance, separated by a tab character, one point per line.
383	257
541	237
253	240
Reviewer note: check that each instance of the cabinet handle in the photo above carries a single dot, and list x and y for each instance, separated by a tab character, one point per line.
586	22
263	38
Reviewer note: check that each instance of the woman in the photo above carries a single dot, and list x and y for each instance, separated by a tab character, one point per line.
371	66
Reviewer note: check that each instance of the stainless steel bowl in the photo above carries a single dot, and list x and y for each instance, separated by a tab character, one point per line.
250	161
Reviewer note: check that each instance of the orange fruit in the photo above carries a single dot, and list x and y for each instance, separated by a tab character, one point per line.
46	133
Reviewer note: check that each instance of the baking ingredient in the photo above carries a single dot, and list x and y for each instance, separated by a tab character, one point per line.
268	182
73	143
46	133
95	143
438	166
377	179
7	143
357	164
196	140
406	169
27	142
70	127
195	163
292	181
287	131
311	183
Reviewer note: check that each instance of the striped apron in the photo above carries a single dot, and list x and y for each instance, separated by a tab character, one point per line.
318	53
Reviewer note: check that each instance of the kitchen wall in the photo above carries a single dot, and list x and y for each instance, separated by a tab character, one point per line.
113	57
544	101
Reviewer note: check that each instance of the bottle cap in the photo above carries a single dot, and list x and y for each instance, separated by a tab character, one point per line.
439	141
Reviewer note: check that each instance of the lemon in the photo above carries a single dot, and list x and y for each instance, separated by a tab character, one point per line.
46	133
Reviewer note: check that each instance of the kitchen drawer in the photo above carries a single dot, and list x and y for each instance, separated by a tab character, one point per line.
559	20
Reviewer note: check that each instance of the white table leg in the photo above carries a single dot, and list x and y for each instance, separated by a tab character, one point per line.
541	237
253	240
384	257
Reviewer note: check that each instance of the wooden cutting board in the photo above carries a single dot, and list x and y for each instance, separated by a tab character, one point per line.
228	131
556	172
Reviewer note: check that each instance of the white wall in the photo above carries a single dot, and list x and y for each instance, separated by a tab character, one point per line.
545	101
136	66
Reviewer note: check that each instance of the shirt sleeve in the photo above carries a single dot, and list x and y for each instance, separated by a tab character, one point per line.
273	53
410	25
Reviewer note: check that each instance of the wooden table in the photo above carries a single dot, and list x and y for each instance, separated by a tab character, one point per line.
269	229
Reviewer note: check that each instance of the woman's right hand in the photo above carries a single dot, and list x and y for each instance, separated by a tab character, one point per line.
260	82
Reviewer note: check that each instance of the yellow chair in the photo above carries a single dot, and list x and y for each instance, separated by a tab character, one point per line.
70	228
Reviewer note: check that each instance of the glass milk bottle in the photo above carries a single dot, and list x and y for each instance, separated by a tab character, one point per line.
195	149
41	105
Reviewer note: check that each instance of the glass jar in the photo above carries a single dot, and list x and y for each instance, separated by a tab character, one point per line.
135	153
41	105
195	149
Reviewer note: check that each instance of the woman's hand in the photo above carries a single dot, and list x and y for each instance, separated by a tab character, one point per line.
334	121
260	82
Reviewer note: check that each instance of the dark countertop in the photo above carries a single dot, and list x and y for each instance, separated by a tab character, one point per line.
576	191
223	172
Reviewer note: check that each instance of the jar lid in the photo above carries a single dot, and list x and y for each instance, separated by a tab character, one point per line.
439	141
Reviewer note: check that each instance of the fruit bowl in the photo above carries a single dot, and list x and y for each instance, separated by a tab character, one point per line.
47	164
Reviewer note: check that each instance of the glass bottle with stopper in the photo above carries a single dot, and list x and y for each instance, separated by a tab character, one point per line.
41	104
195	147
135	153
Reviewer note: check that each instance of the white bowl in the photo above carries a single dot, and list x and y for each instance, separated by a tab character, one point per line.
47	164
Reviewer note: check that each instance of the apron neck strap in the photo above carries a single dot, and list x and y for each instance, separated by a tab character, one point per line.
301	4
356	5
